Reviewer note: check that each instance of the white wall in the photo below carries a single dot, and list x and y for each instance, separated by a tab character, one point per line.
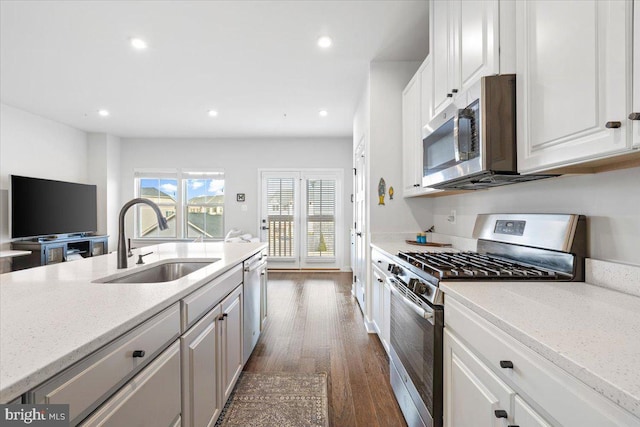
240	159
103	154
610	200
34	146
387	81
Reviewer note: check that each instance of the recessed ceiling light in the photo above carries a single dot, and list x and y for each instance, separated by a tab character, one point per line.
324	42
213	113
103	113
138	43
323	113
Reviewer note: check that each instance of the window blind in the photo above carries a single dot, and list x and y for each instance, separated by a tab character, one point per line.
321	221
280	216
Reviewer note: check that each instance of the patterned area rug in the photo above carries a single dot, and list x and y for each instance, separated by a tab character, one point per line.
277	400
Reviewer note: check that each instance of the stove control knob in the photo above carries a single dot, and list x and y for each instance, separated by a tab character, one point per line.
395	269
421	288
414	284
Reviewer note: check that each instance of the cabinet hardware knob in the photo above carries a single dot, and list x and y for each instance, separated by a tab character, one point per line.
359	234
613	125
416	185
501	413
379	261
380	280
506	364
634	116
138	353
454	90
449	95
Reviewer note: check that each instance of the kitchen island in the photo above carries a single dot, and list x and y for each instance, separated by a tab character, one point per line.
54	316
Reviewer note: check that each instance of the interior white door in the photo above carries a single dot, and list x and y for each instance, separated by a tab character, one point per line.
280	218
360	269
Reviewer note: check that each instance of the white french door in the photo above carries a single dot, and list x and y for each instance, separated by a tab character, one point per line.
300	218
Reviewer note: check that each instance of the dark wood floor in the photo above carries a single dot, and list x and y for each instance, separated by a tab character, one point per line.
315	325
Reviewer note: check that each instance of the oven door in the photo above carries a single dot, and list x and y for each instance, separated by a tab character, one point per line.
416	355
451	146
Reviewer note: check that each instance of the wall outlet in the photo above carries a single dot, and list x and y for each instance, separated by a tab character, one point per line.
452	218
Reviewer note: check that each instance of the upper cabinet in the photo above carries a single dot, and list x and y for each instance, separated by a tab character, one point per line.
411	177
574	85
466	45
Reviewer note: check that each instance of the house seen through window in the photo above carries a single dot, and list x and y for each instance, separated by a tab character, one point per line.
192	203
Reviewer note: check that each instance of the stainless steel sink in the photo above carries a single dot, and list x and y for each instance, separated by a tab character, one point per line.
164	272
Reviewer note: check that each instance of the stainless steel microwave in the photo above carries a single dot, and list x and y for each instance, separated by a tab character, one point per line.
472	143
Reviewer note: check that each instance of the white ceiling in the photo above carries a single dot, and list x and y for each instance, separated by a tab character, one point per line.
253	61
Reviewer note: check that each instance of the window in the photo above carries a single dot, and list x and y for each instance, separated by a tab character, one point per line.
204	207
192	203
162	192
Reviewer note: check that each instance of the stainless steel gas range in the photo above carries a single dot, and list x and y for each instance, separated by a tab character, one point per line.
511	247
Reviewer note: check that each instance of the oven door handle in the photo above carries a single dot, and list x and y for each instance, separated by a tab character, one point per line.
395	288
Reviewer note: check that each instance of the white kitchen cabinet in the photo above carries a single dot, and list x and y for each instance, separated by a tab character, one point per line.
376	298
151	398
201	353
466	46
525	416
473	395
211	361
635	123
386	316
87	384
416	104
381	298
573	88
411	138
231	336
546	394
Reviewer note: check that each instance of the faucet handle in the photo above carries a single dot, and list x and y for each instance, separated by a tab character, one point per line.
142	255
129	253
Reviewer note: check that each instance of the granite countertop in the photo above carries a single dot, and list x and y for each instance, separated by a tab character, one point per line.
53	316
589	331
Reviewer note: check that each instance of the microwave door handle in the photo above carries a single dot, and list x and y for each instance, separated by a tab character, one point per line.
468	114
395	288
456	136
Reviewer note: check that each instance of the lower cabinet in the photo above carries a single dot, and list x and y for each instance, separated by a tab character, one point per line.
151	398
493	380
231	337
211	361
381	298
473	394
200	348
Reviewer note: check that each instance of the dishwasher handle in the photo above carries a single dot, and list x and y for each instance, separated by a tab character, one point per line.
256	265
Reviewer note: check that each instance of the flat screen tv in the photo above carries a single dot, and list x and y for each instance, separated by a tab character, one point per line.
43	207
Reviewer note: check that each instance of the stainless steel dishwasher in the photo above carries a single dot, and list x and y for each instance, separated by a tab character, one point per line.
255	273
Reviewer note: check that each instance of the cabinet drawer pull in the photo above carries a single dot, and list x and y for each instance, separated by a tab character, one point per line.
506	364
380	280
449	95
634	116
512	425
454	90
501	413
138	353
613	125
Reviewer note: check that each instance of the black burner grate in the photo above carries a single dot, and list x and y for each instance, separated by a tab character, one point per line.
473	265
